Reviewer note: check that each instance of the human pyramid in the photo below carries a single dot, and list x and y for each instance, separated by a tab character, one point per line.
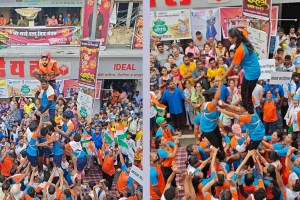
252	164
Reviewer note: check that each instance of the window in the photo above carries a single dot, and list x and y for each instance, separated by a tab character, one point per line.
127	13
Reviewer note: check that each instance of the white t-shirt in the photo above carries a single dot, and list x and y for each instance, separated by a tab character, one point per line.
257	92
19	149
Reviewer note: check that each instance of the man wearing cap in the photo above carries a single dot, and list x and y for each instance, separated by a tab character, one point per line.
165	130
47	69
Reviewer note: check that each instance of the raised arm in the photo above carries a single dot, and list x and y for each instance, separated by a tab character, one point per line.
279	178
249	154
218	94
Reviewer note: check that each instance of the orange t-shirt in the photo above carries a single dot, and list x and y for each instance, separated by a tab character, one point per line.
50	69
108	166
121	183
7	164
167	162
270	114
160	184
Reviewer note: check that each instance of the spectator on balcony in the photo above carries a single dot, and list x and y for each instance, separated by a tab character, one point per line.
10	22
22	22
60	19
75	20
68	20
53	21
2	20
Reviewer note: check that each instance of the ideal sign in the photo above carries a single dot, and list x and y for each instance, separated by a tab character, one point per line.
124	67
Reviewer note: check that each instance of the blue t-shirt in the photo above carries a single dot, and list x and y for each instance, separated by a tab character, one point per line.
224	92
174	100
209	120
45	99
256	128
267	87
249	63
153	176
97	140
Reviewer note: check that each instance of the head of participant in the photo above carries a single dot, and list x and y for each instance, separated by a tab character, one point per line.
154	159
44	84
171	193
161	122
66	117
236	37
170	84
45	58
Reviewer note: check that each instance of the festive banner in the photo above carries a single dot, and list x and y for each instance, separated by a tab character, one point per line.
26	36
70	88
102	21
234	16
207	21
257	9
14	87
280	78
259	40
267	66
136	174
88	64
170	25
137	38
3	89
85	106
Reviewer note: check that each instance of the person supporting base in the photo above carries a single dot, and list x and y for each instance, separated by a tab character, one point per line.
209	119
48	99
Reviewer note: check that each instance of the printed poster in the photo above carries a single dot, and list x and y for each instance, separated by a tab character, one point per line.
60	86
259	40
137	38
257	9
207	21
234	16
171	24
85	106
267	66
70	88
14	87
3	89
88	63
102	21
29	88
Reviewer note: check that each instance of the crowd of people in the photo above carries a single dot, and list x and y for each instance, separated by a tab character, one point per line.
246	129
49	152
53	20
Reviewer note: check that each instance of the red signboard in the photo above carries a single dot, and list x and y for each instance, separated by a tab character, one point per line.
25	36
15	68
102	20
89	54
259	9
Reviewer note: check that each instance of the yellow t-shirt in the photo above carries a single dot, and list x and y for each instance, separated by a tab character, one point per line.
58	119
27	108
188	70
211	73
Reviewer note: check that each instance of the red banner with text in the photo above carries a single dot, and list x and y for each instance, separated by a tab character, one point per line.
26	36
137	38
257	8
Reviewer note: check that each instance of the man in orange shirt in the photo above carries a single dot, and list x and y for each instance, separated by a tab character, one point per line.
47	69
108	167
122	182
